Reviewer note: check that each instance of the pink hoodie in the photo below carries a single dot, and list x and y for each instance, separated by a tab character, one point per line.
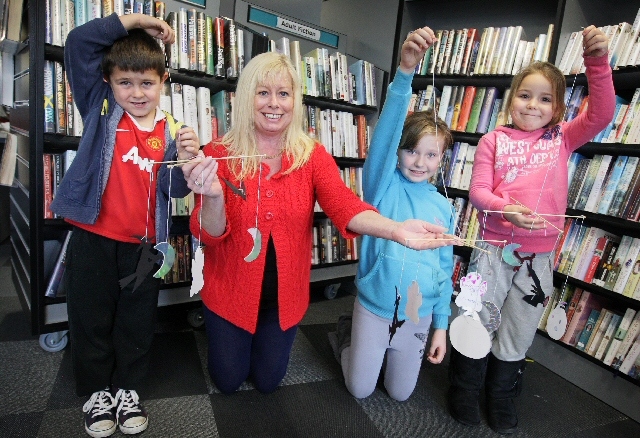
531	166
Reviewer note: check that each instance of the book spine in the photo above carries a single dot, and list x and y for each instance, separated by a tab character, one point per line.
201	41
183	25
218	26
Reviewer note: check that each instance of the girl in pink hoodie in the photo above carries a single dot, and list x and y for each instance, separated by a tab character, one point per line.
520	169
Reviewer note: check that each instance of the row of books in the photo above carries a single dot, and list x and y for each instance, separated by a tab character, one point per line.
465	219
329	246
352	177
220	47
181	268
596	256
497	51
61	115
456	166
464	108
624	47
342	133
605	185
329	75
54	167
607	333
460	267
625	124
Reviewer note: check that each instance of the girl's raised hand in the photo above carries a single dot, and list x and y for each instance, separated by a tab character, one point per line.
594	42
414	47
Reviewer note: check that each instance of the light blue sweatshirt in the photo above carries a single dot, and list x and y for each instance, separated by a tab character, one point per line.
386	267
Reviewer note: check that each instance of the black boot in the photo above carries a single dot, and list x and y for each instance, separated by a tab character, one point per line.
503	384
466	377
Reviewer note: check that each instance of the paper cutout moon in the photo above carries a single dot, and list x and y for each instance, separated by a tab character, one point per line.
557	323
167	261
469	337
494	316
197	277
508	256
257	244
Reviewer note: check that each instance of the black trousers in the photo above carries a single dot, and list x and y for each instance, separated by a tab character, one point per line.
111	328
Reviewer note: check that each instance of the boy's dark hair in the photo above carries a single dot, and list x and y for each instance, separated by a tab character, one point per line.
137	52
421	123
558	86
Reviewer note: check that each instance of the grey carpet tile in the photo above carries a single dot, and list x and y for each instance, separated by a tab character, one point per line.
14	325
327	311
175	368
320	409
21	425
184	417
67	423
27	375
306	364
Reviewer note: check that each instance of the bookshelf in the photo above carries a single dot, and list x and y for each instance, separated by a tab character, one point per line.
567	16
35	240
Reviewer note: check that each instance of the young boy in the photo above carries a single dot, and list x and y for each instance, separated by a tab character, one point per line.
117	201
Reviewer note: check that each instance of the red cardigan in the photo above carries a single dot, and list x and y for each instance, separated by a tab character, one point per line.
232	286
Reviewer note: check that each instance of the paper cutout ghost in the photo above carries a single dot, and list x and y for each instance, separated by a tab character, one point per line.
414	301
197	276
472	288
557	322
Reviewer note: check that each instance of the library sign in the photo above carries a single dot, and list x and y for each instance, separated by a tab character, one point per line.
268	19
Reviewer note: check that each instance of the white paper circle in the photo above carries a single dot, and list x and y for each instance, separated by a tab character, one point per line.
469	337
556	323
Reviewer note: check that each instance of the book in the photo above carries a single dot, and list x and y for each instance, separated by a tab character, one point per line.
190	110
619	336
588	301
473	40
476	108
203	102
201	42
611	184
627	341
465	108
192	39
457	105
631	357
231	48
182	40
465	179
627	265
633	280
598	332
48	188
219	32
585	252
484	117
597	186
587	331
629	173
599	252
621	255
445	97
577	181
177	102
608	336
571	306
55	281
589	179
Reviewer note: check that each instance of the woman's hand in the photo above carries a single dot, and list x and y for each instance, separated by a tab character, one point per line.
414	48
202	176
419	234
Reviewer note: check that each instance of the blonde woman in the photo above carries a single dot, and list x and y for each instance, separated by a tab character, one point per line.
255	216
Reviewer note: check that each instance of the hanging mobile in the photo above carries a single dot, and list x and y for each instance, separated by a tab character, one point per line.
169	254
197	262
467	334
254	231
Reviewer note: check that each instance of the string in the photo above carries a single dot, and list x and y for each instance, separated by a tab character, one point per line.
169	203
539	214
258	194
174	163
146	227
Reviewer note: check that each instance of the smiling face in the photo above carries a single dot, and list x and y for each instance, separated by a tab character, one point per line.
138	93
273	106
421	163
532	105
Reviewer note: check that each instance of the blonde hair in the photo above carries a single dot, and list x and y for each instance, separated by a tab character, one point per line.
265	69
558	86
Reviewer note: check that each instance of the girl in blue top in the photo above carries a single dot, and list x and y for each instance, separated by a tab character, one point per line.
401	292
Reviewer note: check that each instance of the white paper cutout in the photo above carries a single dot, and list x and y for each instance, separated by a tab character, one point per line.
469	337
197	275
557	322
414	301
472	288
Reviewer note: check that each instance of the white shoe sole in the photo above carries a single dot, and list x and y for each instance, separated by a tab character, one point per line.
101	433
135	429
